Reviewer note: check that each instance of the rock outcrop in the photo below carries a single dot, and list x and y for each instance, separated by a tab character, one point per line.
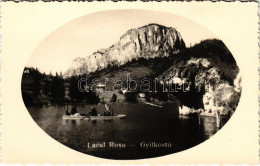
211	75
149	41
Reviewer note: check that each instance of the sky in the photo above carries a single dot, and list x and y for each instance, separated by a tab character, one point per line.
83	36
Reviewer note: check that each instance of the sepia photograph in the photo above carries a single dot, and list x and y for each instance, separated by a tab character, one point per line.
131	84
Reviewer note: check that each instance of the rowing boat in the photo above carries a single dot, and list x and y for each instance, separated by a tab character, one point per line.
73	117
153	104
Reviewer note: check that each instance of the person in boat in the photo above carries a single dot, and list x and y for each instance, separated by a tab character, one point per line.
66	108
109	110
93	112
74	110
67	112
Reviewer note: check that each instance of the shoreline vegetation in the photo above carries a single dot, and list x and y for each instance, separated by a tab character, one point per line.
39	90
206	72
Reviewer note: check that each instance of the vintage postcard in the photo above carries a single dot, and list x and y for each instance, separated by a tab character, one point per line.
129	83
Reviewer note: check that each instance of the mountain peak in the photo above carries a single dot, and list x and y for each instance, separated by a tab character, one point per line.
153	25
149	41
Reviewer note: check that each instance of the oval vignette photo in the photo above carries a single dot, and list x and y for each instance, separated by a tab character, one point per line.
131	84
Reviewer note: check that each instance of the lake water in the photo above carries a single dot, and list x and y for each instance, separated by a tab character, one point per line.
144	124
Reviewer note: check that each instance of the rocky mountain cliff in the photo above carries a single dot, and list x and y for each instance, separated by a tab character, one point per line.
208	70
149	41
154	51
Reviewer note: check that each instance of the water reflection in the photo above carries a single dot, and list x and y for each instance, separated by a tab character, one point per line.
76	122
94	122
143	124
108	121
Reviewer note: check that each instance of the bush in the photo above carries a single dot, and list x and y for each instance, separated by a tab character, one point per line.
91	97
226	96
114	98
131	97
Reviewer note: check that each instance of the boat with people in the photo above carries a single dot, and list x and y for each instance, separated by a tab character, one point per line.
155	105
92	115
98	117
